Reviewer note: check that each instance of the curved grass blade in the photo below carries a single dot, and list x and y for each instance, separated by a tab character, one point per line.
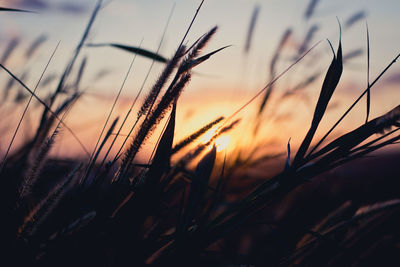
355	103
15	10
328	87
134	50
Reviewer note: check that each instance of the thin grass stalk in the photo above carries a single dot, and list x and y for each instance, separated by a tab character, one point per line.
80	74
48	109
113	105
137	96
194	50
191	23
344	144
273	81
78	49
26	108
149	102
93	161
68	68
368	71
369	144
252	25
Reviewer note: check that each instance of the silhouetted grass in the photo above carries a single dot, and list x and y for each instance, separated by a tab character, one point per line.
168	212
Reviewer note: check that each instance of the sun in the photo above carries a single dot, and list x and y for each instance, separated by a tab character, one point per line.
222	142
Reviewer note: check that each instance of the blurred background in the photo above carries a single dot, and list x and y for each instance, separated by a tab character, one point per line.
258	53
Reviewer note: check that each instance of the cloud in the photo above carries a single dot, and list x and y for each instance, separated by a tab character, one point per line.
68	7
393	79
34	4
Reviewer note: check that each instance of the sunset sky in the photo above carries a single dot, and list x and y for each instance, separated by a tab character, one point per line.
228	79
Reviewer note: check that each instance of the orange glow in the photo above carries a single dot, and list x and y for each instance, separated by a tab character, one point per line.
208	135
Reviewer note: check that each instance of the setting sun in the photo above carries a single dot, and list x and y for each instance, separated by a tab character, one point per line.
222	142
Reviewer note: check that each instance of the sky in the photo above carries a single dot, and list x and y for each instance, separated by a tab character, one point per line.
230	78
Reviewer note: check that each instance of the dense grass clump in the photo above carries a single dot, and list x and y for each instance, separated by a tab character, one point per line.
184	207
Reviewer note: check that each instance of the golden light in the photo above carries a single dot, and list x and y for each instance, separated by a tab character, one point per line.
222	142
208	135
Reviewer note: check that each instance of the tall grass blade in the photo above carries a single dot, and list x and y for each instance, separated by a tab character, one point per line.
287	164
352	139
252	25
328	87
70	65
355	103
162	157
137	95
368	72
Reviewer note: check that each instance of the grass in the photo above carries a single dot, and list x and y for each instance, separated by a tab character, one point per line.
122	212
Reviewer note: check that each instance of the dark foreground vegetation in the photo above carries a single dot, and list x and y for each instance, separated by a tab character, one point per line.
328	205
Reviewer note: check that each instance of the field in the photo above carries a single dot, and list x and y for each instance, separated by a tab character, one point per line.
301	171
